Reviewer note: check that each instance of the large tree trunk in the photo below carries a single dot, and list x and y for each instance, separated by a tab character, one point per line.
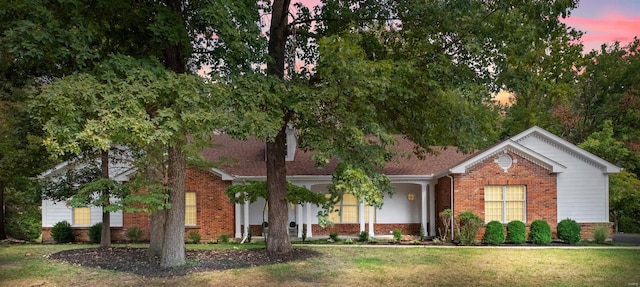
173	253
3	234
278	240
156	238
105	239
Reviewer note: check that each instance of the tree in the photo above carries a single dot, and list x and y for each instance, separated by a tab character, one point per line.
184	36
624	187
382	67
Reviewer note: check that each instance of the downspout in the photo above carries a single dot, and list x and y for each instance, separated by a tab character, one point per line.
452	213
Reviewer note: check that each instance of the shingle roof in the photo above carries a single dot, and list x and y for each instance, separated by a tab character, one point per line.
247	158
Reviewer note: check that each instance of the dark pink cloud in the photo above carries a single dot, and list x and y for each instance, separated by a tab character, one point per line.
608	28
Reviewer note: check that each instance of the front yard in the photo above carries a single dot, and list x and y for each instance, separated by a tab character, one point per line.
29	265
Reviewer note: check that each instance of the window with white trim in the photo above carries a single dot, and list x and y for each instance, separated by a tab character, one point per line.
81	216
190	212
347	210
505	203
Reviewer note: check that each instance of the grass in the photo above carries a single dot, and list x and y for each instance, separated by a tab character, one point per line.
27	265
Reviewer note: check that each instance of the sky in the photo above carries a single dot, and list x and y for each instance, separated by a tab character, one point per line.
603	21
606	21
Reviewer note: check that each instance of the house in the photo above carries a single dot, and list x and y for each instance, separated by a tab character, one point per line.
533	175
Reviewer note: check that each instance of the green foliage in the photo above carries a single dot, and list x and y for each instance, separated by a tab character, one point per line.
422	232
494	233
22	212
134	234
194	237
516	232
601	233
468	225
568	230
624	202
62	232
224	238
363	236
333	236
95	233
540	232
252	190
397	235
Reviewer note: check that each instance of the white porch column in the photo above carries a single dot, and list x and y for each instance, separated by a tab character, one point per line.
247	227
372	211
423	207
238	220
361	215
432	209
308	219
299	219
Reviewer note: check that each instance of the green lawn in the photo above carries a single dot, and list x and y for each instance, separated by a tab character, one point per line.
27	265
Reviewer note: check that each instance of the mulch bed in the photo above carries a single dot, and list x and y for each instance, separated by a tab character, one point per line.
136	261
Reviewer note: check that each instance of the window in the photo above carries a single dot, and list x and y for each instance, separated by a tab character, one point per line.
190	208
81	216
347	210
504	203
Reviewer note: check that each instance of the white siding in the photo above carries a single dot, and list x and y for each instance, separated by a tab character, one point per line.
54	212
582	187
398	209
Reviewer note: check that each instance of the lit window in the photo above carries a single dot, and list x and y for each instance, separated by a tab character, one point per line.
346	211
504	203
81	216
190	208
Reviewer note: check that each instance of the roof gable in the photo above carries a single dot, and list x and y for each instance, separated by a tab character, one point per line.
567	147
511	146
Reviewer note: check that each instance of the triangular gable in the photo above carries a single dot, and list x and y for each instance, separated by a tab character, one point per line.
512	146
568	147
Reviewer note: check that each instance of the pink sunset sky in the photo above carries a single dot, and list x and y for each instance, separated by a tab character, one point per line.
603	21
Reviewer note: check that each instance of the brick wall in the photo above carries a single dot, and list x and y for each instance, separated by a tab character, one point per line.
215	212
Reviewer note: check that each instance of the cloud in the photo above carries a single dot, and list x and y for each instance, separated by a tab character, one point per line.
610	27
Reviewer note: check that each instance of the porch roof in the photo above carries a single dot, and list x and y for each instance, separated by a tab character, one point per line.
247	158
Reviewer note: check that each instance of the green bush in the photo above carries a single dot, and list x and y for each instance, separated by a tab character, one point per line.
600	233
95	233
222	238
363	236
134	234
62	232
24	222
468	225
397	235
540	232
494	233
569	231
333	236
516	232
194	237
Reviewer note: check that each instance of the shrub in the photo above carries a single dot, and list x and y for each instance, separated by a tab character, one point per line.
95	233
397	235
468	225
134	234
600	233
22	222
224	238
363	236
333	236
194	237
494	233
62	232
445	216
516	232
422	232
304	232
540	232
569	231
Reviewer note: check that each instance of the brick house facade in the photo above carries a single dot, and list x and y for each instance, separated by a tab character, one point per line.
557	179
